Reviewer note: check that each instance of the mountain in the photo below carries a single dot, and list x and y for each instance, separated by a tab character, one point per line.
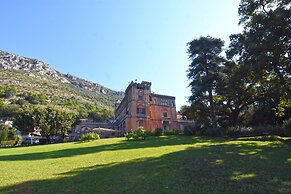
32	78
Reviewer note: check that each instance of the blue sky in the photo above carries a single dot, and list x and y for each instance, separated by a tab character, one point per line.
113	42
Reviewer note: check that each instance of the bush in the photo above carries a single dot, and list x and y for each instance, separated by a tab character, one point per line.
212	132
236	131
267	130
263	138
172	132
271	138
192	130
8	137
18	140
287	127
149	133
4	135
240	131
159	132
7	143
140	133
128	136
89	136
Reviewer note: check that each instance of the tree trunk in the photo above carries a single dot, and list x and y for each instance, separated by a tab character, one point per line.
233	117
212	110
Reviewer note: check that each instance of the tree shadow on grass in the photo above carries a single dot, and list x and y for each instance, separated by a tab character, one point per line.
216	168
69	152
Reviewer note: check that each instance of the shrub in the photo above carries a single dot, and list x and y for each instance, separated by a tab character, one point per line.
239	131
66	139
287	127
211	132
272	138
8	137
158	132
8	143
128	136
4	132
149	133
140	133
263	138
172	132
192	130
18	140
235	131
89	136
267	130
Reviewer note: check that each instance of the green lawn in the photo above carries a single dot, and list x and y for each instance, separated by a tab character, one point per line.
174	164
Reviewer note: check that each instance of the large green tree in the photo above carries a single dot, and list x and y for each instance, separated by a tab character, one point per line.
64	120
203	72
264	46
235	92
44	119
51	120
257	76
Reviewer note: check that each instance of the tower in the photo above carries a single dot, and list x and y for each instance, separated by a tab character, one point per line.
134	109
141	108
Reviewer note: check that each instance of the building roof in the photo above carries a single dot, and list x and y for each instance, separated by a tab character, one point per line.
162	96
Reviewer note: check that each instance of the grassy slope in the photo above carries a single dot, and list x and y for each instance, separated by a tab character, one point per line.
175	164
55	90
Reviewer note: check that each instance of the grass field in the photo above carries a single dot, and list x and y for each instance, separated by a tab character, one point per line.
174	164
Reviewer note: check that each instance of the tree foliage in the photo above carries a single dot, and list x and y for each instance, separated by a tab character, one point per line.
4	132
51	120
264	46
253	84
100	115
203	72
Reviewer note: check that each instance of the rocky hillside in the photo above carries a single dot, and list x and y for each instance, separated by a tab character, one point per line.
32	76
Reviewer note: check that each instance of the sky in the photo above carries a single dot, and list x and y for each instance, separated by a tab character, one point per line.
114	42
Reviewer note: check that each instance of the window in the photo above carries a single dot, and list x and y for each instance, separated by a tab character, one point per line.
140	123
173	103
140	94
164	102
165	114
140	111
155	100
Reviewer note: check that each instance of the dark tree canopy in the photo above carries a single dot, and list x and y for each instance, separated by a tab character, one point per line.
255	79
264	47
203	71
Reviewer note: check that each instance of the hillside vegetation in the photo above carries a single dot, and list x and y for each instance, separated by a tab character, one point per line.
29	82
53	91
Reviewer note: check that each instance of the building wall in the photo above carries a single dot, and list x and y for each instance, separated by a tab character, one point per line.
134	111
163	112
140	107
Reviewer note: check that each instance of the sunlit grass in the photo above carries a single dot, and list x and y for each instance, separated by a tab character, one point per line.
174	164
239	176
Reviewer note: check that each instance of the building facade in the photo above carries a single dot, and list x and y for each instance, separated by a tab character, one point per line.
141	108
